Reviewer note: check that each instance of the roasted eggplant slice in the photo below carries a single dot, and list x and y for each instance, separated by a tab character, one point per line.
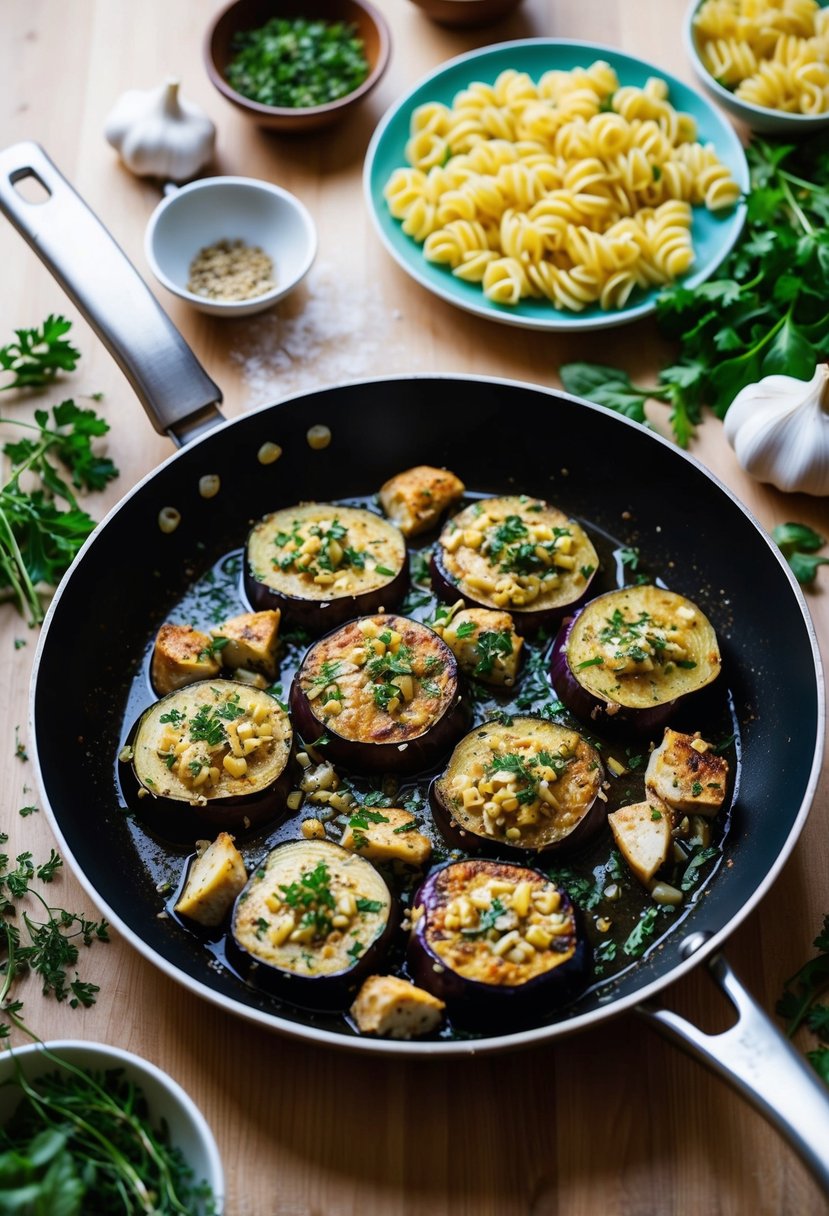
515	553
218	749
321	564
499	943
312	923
384	691
528	787
629	656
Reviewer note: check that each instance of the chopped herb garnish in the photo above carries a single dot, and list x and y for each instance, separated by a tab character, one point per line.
691	874
411	826
639	936
486	920
369	905
596	662
491	646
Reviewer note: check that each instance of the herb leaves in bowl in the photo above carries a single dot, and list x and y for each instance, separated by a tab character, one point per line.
88	1128
297	63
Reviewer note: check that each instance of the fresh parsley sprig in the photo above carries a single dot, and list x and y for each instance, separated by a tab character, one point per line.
799	1004
799	545
43	528
764	313
49	946
37	356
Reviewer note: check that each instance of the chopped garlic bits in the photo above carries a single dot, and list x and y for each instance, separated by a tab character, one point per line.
517	553
500	924
322	552
210	740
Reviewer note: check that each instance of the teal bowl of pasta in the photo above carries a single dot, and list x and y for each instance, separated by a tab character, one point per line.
555	185
767	67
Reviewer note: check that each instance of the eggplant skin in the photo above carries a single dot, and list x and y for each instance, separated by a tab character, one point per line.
507	555
493	1005
577	817
253	947
362	734
300	599
591	652
177	813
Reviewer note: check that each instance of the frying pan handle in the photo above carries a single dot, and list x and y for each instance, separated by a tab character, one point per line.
762	1065
174	389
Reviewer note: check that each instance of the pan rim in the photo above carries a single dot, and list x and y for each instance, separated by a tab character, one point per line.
494	1044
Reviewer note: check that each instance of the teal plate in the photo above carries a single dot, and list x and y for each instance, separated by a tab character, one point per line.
713	236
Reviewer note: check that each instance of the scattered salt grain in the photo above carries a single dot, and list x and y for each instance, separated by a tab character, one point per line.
332	331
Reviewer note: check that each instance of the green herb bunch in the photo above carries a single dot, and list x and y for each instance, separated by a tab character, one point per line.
766	312
799	1004
42	527
79	1142
296	63
40	938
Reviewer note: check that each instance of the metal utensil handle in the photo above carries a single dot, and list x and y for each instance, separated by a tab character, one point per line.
174	389
762	1065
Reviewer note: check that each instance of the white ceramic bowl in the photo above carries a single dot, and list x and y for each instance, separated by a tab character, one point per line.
758	118
230	208
165	1098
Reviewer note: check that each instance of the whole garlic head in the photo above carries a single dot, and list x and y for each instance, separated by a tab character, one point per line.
159	134
779	430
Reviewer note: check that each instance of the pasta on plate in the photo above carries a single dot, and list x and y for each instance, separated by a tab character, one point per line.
574	188
771	53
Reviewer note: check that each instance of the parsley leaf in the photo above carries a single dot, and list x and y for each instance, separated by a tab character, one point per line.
764	313
37	356
39	537
798	544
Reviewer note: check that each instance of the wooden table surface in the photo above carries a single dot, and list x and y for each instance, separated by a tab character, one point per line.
612	1121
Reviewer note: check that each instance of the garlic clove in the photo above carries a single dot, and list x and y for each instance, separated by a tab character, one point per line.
779	430
158	133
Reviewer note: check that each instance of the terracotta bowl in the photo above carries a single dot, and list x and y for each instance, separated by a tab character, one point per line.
251	14
466	12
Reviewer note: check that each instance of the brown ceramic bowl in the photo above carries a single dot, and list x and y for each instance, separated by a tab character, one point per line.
466	12
252	14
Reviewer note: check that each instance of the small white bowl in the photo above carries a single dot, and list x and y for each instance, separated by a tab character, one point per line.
230	208
758	118
166	1099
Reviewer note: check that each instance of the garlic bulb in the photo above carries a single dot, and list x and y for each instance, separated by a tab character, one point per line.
779	430
159	134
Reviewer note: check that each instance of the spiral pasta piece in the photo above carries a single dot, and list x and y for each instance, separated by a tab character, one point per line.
574	190
771	53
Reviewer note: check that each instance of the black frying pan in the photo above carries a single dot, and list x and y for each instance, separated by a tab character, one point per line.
498	436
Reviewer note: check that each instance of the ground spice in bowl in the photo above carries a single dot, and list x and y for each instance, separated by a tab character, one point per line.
231	270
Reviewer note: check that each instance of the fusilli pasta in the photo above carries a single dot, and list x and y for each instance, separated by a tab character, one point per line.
771	53
572	189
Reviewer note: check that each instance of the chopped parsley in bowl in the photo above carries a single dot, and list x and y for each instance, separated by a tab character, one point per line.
296	65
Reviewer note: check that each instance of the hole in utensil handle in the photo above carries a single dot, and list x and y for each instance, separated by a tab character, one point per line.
30	187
